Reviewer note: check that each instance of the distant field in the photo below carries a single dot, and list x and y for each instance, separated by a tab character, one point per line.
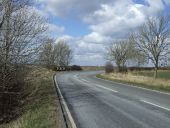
142	79
163	74
92	68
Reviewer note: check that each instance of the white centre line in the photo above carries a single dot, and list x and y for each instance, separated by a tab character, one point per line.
76	76
100	86
85	80
105	88
156	105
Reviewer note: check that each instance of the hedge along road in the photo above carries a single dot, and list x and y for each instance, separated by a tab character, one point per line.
96	103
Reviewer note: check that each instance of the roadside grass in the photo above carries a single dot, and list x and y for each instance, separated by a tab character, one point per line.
41	108
163	74
141	79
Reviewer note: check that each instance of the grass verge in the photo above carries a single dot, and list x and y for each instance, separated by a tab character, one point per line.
162	74
132	79
41	108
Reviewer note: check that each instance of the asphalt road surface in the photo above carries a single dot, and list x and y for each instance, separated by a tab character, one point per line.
96	103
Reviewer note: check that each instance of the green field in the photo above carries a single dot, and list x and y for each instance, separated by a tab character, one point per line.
162	74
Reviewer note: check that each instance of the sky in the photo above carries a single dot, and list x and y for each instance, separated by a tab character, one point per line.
89	26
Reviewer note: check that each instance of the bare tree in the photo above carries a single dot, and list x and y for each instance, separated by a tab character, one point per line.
21	34
124	51
47	53
119	52
59	54
135	55
63	54
153	39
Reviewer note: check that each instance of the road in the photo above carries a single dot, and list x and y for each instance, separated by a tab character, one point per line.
96	103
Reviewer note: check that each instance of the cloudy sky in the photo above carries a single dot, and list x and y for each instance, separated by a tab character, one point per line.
88	26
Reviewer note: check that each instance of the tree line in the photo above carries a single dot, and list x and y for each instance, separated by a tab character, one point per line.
23	41
150	42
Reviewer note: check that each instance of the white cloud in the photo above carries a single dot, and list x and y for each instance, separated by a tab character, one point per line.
107	19
94	59
66	38
96	37
55	29
118	19
79	7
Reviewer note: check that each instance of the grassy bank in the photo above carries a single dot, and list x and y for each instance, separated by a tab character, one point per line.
41	108
142	78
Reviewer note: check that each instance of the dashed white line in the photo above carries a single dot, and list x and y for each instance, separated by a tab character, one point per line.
147	102
105	88
76	76
85	80
100	86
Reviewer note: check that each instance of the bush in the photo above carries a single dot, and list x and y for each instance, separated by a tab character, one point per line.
123	69
76	68
109	67
11	91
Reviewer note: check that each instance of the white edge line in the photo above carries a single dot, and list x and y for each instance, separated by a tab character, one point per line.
155	105
133	86
65	106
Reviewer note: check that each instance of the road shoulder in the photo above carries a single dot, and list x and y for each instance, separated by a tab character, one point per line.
159	89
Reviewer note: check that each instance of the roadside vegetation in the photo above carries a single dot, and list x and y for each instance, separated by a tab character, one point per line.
142	79
149	44
41	108
27	94
162	74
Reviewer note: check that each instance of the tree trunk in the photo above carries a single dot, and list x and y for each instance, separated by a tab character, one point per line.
156	67
156	72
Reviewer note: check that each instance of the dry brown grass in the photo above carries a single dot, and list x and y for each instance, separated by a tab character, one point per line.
138	80
129	77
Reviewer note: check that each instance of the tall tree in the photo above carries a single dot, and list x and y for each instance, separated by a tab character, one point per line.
59	54
153	39
119	52
21	34
63	54
124	51
47	53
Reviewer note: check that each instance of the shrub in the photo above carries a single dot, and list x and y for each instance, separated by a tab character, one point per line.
109	67
76	68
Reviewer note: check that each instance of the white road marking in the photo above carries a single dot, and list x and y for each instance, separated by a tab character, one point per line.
105	88
72	122
156	105
100	86
76	76
85	80
133	86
